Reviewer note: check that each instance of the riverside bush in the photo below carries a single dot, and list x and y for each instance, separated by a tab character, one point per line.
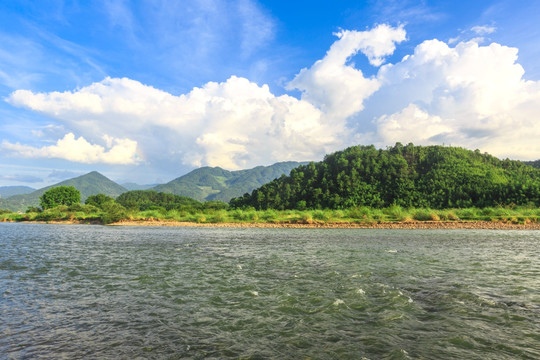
395	212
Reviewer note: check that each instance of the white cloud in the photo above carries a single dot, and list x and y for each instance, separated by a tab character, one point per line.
484	30
338	88
376	44
412	125
469	95
234	124
120	151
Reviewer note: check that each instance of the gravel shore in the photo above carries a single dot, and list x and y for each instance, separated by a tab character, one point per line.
345	225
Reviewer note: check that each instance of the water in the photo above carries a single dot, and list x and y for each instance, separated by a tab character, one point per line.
72	292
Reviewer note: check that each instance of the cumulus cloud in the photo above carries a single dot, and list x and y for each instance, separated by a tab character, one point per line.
121	151
338	88
413	125
233	124
468	95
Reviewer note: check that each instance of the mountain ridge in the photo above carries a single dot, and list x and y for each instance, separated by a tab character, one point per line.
7	191
217	184
202	184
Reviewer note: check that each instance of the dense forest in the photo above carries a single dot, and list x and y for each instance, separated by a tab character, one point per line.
141	200
409	176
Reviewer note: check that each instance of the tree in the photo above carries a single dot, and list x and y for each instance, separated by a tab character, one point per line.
98	200
60	195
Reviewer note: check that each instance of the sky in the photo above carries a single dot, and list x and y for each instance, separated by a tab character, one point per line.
146	91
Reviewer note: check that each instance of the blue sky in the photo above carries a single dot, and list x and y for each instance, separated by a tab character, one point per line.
146	91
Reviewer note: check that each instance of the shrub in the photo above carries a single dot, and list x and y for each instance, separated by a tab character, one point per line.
422	215
98	200
113	212
467	214
361	213
56	213
322	215
33	209
395	212
269	215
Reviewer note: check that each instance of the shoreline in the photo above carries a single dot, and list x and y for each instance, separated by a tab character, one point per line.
412	225
487	225
339	225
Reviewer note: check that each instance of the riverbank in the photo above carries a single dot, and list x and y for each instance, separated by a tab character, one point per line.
485	225
343	225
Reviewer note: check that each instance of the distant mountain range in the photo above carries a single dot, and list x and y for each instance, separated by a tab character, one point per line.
7	191
134	186
214	183
202	184
535	163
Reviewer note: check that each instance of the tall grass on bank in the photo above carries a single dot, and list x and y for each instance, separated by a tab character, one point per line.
110	214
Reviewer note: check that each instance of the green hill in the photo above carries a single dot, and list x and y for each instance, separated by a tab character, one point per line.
408	176
535	163
7	191
89	184
211	184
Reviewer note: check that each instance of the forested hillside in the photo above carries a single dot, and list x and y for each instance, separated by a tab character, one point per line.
217	184
409	176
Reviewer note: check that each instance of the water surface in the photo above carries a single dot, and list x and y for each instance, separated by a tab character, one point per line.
70	291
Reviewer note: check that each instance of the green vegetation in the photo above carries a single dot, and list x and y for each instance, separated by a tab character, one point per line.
113	212
99	200
437	177
217	184
357	185
60	195
141	200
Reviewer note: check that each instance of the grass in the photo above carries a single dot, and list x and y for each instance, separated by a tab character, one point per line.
250	215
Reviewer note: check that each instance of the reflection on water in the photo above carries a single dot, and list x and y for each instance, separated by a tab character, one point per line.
110	292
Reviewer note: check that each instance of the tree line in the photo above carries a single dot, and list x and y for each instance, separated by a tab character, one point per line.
409	176
68	198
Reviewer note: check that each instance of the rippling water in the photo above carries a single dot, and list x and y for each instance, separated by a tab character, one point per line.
72	292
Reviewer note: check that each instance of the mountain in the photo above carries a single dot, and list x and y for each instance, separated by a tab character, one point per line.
214	183
89	184
535	163
408	176
7	191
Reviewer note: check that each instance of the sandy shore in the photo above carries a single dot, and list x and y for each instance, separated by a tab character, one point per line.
345	225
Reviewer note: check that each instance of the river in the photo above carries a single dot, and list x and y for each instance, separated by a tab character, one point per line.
105	292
